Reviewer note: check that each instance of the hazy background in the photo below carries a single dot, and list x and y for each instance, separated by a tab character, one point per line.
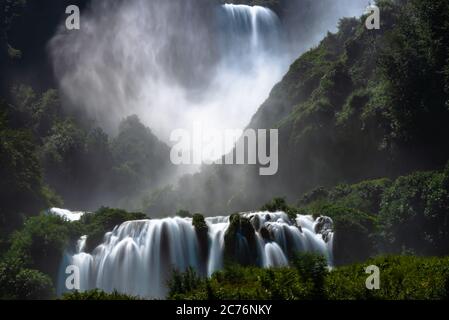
176	62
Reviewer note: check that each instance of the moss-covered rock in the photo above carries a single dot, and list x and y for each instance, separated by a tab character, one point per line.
202	234
240	241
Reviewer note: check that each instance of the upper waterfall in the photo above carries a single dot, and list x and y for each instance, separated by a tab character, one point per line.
249	34
252	27
171	63
138	257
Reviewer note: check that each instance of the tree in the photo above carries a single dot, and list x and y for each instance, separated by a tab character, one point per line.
21	186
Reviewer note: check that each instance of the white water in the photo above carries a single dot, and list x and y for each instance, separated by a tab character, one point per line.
172	63
138	257
66	214
248	34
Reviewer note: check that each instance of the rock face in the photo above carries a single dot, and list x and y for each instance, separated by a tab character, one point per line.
324	226
202	234
265	233
240	241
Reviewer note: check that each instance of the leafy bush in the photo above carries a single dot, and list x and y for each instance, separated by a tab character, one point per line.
182	283
21	186
373	217
280	204
313	268
401	278
41	242
97	295
16	282
414	213
184	214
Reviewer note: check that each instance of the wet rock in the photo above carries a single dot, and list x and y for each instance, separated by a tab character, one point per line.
240	241
324	226
202	234
255	220
266	235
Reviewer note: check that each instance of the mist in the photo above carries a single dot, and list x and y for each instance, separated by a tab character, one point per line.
177	62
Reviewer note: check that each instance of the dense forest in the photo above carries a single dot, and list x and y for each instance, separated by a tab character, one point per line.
363	129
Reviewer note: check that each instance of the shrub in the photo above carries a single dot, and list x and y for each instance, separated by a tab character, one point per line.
182	283
414	214
97	295
16	282
184	214
41	242
312	267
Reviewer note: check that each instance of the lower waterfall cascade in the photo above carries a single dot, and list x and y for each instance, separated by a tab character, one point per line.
138	257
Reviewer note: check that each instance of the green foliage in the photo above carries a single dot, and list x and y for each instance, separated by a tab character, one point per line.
401	278
184	214
277	204
59	148
140	158
280	204
21	185
413	67
246	283
182	283
312	268
97	295
96	224
408	214
41	242
16	282
33	285
198	222
38	112
414	214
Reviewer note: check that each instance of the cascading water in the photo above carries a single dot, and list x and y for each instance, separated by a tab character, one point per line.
249	33
172	55
172	63
66	214
138	257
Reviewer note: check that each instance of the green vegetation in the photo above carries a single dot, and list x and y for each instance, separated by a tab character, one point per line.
407	215
401	278
23	284
21	184
280	204
98	295
41	242
183	214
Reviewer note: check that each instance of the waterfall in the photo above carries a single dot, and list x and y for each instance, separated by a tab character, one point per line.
172	63
66	214
138	257
250	32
